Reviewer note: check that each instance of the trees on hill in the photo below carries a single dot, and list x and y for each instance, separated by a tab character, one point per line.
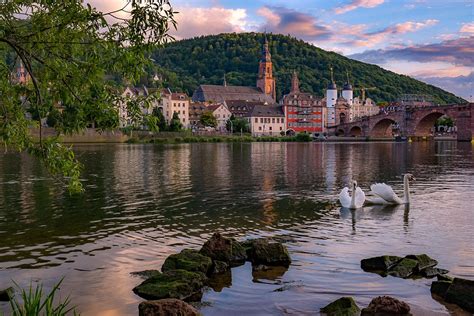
208	119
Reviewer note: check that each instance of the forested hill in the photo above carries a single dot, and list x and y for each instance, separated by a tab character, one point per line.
203	60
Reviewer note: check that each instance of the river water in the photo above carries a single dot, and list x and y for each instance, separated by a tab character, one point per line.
144	202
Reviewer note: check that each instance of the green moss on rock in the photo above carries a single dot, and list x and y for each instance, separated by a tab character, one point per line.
189	260
461	292
424	261
180	284
263	251
440	287
224	249
432	272
345	306
404	269
379	264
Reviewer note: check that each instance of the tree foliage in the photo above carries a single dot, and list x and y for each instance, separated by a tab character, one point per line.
175	123
204	60
237	125
72	52
208	119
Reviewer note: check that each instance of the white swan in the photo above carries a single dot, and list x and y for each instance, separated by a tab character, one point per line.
384	194
354	202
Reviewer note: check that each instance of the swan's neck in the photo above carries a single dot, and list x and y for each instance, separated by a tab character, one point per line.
406	190
353	197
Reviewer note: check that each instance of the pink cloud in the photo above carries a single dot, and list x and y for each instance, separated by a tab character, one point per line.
467	28
354	4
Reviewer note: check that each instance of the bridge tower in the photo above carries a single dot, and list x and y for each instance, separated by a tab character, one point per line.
347	92
331	99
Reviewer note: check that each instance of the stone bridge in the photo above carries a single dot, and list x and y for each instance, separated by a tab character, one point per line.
410	122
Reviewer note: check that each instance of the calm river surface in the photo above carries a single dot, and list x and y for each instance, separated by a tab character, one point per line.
144	202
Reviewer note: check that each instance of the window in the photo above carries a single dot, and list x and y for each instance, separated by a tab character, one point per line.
183	112
184	120
273	120
270	128
256	120
281	128
282	120
261	120
259	128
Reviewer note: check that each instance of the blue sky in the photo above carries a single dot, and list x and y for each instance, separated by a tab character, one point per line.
432	40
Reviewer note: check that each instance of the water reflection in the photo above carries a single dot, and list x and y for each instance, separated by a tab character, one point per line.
143	203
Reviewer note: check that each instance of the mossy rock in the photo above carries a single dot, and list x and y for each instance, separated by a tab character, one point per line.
146	274
6	295
345	306
380	264
180	284
432	272
440	287
219	267
228	250
461	292
424	261
444	277
189	260
263	251
404	269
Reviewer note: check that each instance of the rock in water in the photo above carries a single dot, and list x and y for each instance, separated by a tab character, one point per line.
444	277
440	287
424	261
6	294
146	274
219	267
224	249
405	268
189	260
461	292
166	307
432	272
180	284
386	305
262	251
345	306
379	264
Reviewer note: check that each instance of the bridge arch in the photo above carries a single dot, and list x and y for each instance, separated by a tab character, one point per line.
383	128
355	131
340	132
425	124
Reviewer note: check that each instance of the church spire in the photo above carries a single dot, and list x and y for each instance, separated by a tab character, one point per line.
265	80
295	83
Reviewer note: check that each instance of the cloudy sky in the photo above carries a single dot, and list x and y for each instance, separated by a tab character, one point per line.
431	40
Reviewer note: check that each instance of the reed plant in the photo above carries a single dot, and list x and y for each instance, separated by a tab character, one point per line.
34	301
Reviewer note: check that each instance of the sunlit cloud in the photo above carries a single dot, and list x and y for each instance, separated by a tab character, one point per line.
286	21
467	28
354	4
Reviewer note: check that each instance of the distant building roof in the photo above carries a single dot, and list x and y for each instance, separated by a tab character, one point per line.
219	93
267	111
241	107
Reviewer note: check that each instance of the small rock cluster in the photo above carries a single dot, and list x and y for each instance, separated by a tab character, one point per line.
184	275
409	266
382	305
457	291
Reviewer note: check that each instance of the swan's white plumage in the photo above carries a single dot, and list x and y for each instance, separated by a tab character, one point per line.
386	193
359	197
376	200
346	199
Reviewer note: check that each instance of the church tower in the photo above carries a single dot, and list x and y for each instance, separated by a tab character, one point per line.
295	83
265	80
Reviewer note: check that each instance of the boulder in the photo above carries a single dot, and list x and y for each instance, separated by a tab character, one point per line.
432	272
386	305
424	261
404	269
166	307
266	252
180	284
345	306
444	277
146	274
440	287
5	295
224	249
219	267
220	281
379	264
461	292
189	260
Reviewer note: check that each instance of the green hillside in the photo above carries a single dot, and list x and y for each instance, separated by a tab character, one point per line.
185	64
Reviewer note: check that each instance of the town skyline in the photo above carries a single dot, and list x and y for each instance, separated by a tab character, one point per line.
429	40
